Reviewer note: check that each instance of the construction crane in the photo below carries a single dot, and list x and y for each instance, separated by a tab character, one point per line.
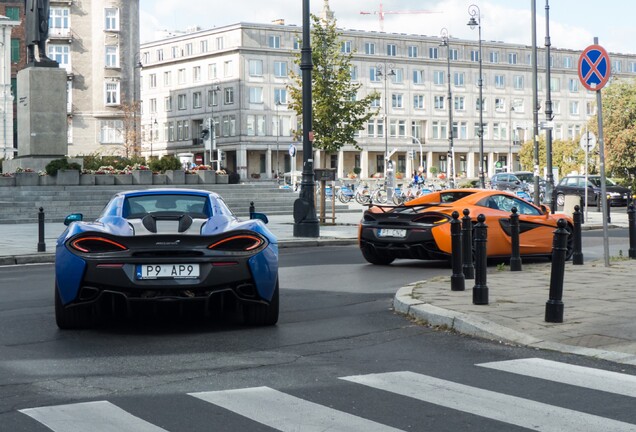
382	12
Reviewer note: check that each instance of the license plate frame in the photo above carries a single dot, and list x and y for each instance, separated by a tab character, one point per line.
167	271
391	233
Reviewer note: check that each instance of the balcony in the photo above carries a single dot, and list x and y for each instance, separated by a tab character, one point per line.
61	33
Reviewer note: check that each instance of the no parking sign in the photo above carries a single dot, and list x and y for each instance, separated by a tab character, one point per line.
594	67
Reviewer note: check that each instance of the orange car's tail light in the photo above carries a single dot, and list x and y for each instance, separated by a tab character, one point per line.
431	219
96	245
238	243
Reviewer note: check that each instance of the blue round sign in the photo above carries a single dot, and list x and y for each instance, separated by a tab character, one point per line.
594	67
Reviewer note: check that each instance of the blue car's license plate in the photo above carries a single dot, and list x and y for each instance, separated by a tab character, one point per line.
167	271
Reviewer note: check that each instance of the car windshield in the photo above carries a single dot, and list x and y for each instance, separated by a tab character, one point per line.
139	206
596	181
525	177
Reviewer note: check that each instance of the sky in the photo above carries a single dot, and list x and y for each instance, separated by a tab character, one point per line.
573	23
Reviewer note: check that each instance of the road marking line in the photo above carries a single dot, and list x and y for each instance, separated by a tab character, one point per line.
100	416
288	413
485	403
596	379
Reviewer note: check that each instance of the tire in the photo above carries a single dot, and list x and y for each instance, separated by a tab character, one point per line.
379	197
375	258
398	199
560	199
74	318
344	198
258	314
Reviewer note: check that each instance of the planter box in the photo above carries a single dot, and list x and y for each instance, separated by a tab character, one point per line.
207	176
67	177
191	179
104	179
175	177
7	181
142	177
123	179
222	179
159	179
47	180
87	179
27	179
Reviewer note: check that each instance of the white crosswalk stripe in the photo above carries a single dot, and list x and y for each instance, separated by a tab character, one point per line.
100	416
288	413
596	379
485	403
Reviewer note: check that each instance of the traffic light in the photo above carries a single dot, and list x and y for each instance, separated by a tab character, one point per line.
205	134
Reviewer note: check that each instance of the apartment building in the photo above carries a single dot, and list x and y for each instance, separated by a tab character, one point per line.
237	75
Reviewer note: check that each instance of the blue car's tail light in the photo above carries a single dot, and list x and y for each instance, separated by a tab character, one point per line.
238	243
96	245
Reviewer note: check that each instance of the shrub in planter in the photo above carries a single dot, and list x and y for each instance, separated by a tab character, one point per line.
61	164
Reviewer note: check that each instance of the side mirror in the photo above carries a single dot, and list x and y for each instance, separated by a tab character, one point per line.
544	209
74	217
260	216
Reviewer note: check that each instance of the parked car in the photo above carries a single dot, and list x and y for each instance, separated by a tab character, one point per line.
420	228
166	247
575	185
508	181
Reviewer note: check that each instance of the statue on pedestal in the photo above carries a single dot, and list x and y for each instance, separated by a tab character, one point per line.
37	30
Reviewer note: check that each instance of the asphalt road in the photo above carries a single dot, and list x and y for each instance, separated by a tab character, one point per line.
339	359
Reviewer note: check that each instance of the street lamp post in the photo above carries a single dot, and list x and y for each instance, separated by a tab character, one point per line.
277	142
510	162
136	106
153	123
212	127
473	11
386	70
450	170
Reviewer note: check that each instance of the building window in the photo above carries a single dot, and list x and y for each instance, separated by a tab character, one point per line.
500	104
353	72
273	41
256	95
369	48
616	66
391	50
397	100
412	51
398	78
203	46
13	13
58	21
153	106
458	79
167	102
159	54
433	53
453	54
518	82
256	68
196	100
182	101
590	108
567	62
373	75
418	77
112	93
112	56
228	68
439	102
181	76
500	81
494	57
512	58
111	132
459	103
280	96
15	50
228	96
280	69
213	98
438	77
345	47
61	54
418	102
188	49
474	55
555	84
196	73
375	103
574	108
111	19
167	78
573	85
212	71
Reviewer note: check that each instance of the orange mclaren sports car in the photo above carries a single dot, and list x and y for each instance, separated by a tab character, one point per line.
420	229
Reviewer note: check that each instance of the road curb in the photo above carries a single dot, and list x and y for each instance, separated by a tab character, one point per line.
476	326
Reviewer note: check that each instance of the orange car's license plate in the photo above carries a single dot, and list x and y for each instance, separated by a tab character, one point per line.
391	232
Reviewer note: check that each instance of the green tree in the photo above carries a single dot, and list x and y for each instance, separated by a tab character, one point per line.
619	127
567	156
338	112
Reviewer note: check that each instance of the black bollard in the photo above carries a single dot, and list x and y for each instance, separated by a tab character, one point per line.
577	255
515	257
252	208
467	246
41	243
554	306
609	215
480	290
457	278
631	216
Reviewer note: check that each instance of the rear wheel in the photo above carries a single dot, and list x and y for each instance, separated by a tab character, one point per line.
76	317
375	257
258	314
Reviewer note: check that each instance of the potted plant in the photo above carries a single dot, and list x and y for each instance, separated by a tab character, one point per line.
104	175
66	173
26	177
141	174
222	177
191	177
206	174
87	177
7	179
123	177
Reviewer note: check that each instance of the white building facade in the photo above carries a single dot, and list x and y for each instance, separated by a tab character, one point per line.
97	42
237	76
